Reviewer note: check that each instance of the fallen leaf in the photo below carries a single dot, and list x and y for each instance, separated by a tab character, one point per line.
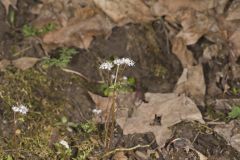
185	56
24	63
220	6
224	105
119	156
182	143
211	51
235	68
77	22
125	105
171	107
4	63
125	11
141	155
102	103
79	33
235	40
163	7
230	133
195	25
8	3
192	83
234	11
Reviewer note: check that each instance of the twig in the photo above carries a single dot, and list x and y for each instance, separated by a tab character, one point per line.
126	149
22	51
75	72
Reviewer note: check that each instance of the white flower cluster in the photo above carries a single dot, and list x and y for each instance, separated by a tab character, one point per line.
21	109
64	143
126	61
106	65
119	61
97	111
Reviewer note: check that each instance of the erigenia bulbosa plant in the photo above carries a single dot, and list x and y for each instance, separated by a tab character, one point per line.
114	70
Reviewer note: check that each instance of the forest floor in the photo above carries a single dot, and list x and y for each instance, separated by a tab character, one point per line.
182	96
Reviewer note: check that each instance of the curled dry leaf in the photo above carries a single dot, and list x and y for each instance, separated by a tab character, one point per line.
171	107
192	83
25	62
125	11
179	48
195	25
8	3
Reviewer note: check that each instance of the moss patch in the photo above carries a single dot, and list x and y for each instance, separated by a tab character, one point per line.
37	134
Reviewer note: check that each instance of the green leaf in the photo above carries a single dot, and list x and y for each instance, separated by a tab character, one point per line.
131	81
9	157
235	112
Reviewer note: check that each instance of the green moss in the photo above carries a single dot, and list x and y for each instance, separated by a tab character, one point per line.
29	31
65	57
47	105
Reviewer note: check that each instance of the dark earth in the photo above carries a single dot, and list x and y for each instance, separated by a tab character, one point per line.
60	94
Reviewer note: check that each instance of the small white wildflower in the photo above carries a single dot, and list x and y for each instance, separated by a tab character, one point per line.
21	109
97	111
124	78
118	61
64	143
126	61
106	65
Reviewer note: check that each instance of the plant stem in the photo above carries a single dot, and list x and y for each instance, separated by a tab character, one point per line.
110	121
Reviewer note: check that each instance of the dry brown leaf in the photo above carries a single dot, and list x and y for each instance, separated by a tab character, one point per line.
195	25
211	51
235	68
8	3
102	103
4	63
234	11
171	107
25	62
125	103
187	145
167	7
125	11
79	33
235	40
192	83
230	133
77	22
220	6
179	48
119	156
